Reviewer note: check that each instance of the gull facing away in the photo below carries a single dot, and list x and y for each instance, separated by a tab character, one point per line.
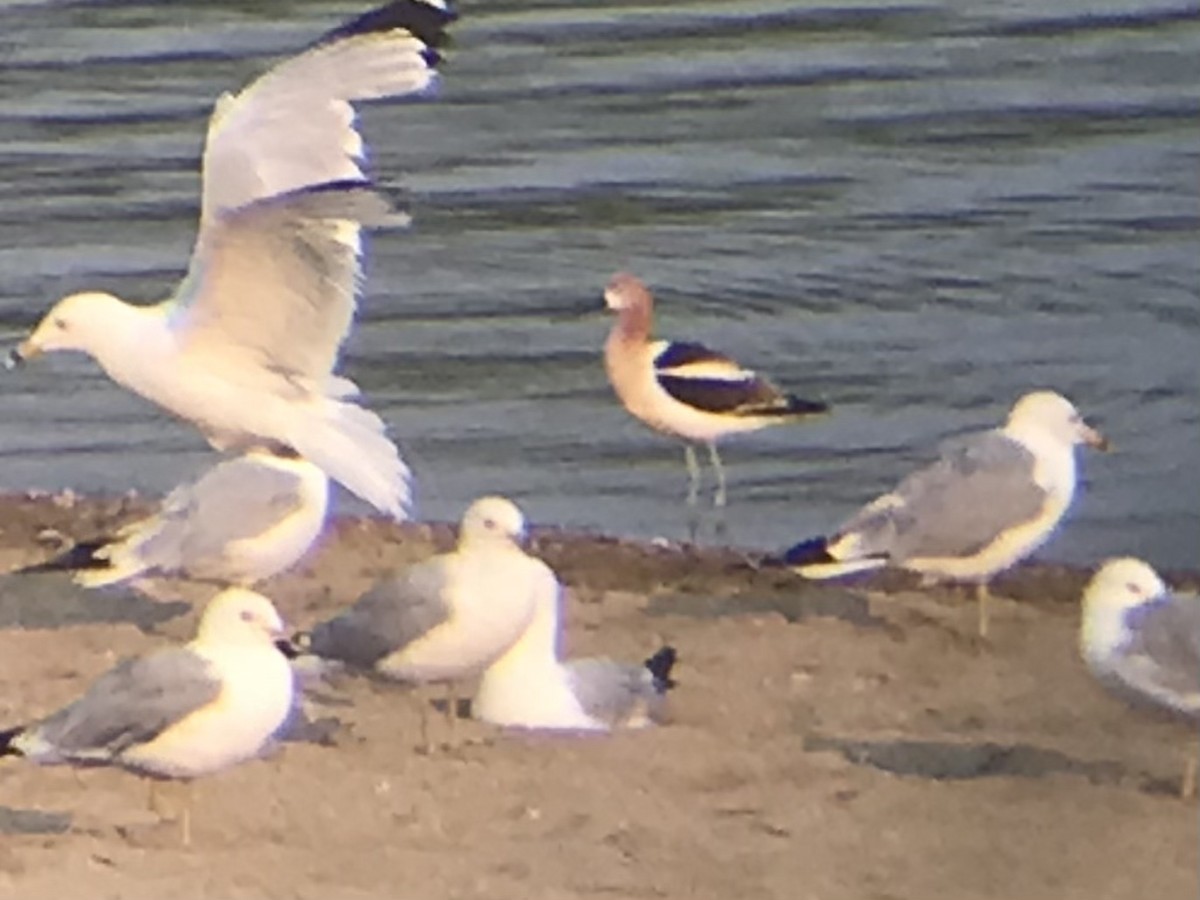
990	500
1142	642
241	522
246	346
447	618
686	390
530	687
180	712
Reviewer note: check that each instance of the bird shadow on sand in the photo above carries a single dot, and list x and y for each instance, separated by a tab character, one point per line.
49	601
814	601
33	821
956	761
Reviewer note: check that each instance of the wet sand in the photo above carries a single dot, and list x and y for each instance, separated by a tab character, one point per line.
827	741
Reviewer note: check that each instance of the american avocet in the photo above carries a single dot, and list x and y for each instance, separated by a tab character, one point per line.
180	712
447	618
1142	642
245	348
530	687
242	521
687	390
990	500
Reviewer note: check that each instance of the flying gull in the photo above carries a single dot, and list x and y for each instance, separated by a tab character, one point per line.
246	346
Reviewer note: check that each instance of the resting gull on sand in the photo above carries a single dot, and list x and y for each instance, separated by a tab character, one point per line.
447	618
530	687
245	348
179	712
244	520
990	500
1142	642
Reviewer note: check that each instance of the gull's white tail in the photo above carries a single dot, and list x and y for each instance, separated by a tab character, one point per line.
822	571
350	444
122	565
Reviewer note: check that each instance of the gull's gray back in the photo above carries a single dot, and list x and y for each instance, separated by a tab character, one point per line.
612	692
131	704
980	486
1161	661
237	500
284	266
391	615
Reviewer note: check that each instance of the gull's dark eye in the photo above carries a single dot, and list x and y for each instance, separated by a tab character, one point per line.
1134	588
60	323
246	615
489	524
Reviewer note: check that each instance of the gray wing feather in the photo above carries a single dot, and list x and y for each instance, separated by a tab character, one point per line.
981	486
131	704
611	691
286	135
389	617
294	126
1162	658
236	500
285	265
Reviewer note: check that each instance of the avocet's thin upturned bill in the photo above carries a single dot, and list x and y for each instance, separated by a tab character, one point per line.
686	390
990	500
246	347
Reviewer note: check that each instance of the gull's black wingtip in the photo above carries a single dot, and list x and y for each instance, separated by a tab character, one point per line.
806	553
78	558
6	741
295	646
425	19
660	666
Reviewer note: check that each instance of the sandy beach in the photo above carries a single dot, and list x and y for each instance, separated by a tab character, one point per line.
826	741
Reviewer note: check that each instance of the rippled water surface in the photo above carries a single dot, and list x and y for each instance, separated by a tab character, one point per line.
914	211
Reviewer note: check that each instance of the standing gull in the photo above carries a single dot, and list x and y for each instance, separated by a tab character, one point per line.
244	520
530	687
686	390
1142	642
180	712
990	500
246	347
449	617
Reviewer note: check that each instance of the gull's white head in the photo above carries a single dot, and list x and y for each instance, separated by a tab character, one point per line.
1054	415
625	291
1117	587
492	520
1123	584
77	322
239	616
